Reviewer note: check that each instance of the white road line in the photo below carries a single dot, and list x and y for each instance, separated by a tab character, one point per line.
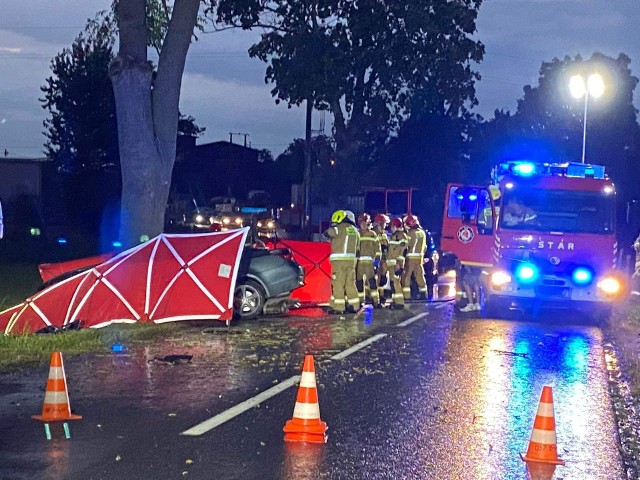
355	348
227	415
415	318
233	412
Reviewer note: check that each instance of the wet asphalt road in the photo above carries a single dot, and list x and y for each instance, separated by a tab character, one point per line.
445	397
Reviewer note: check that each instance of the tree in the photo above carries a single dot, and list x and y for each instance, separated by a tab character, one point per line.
371	63
82	130
147	111
82	135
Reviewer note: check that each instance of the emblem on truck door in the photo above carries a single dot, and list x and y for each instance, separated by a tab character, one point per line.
554	260
465	234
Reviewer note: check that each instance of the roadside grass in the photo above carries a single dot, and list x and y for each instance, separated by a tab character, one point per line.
624	330
17	282
32	350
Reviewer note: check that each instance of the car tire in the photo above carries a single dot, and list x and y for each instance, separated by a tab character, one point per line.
248	299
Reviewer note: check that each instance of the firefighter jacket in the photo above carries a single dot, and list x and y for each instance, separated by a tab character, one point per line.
397	248
345	241
369	245
417	243
384	242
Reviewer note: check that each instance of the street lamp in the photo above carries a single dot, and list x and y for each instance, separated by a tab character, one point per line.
594	87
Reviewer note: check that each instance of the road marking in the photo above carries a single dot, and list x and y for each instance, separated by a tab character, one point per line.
233	412
415	318
355	348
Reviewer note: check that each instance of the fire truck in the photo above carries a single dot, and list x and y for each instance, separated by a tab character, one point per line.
539	235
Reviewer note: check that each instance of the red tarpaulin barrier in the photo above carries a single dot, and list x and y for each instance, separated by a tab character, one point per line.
52	270
169	278
314	257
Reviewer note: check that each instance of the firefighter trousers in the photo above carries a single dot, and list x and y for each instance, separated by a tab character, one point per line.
413	269
367	282
395	272
382	279
343	285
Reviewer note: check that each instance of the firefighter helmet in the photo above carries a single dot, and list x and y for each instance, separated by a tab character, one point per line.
411	221
396	222
350	216
364	218
382	220
338	216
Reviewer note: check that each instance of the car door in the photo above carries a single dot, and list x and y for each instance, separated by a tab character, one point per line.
468	224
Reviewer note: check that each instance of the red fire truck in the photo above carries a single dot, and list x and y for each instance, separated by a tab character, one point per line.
540	234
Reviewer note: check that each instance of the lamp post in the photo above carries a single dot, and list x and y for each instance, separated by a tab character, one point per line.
594	86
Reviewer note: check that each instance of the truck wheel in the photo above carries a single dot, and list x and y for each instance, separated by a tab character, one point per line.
248	300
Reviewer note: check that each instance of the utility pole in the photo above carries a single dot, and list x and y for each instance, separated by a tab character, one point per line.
306	221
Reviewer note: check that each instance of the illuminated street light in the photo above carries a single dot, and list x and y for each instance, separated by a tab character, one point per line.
594	87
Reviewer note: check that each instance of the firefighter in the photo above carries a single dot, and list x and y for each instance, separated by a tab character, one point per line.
345	242
414	266
369	255
380	224
398	241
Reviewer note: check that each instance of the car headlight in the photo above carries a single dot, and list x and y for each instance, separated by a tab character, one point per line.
226	220
500	278
238	221
271	224
610	285
199	218
259	224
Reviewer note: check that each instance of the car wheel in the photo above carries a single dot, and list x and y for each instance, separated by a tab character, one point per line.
248	299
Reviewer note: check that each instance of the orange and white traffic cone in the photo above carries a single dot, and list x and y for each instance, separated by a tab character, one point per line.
306	426
56	406
542	446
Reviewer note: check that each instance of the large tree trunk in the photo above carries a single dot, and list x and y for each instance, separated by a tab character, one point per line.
148	114
143	203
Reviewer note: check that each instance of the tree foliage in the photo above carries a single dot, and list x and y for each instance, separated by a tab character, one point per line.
82	130
371	63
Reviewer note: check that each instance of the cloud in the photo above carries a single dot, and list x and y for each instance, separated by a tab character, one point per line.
224	106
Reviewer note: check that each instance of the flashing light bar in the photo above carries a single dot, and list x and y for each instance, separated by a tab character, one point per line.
526	168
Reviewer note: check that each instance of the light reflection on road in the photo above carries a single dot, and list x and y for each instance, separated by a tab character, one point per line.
518	360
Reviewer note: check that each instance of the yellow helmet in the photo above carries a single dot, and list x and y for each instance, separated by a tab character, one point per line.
338	216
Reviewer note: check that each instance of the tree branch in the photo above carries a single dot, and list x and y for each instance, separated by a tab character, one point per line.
166	90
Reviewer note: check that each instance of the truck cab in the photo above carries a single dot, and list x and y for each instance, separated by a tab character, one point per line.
541	233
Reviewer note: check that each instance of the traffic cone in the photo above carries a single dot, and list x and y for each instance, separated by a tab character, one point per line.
306	426
56	406
542	446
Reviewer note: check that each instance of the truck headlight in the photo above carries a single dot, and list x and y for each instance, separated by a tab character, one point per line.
199	218
610	285
500	278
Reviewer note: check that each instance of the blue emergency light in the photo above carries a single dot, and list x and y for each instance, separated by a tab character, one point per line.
116	244
527	272
62	241
525	169
582	276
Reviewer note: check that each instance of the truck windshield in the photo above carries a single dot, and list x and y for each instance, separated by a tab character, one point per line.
557	211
